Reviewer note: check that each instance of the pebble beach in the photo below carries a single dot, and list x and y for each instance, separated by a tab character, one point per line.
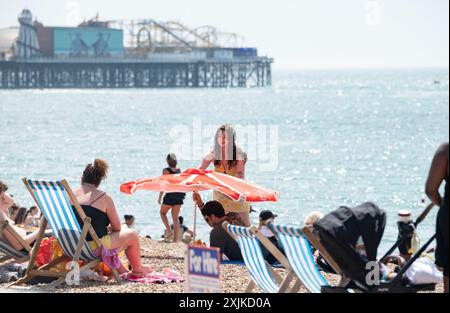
160	255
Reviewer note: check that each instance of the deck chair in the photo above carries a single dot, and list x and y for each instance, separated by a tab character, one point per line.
55	199
10	253
260	272
301	259
314	240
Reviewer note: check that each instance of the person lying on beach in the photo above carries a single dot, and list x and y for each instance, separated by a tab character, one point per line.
6	201
99	206
214	214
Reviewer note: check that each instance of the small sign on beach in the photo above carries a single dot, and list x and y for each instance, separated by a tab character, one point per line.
202	269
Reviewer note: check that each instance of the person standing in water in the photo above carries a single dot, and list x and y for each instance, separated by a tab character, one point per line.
439	171
171	201
228	159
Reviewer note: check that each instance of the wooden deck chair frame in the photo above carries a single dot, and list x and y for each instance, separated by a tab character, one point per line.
45	270
5	227
284	284
315	241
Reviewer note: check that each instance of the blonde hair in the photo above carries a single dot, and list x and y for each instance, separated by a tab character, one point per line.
312	218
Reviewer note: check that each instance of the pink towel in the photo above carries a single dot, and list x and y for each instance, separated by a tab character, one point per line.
168	276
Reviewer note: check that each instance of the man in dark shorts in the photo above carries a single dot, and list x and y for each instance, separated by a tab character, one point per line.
439	171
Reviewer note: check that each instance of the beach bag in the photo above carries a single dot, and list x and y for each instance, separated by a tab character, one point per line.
56	253
45	253
423	271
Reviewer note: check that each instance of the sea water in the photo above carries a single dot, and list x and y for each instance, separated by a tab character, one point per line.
343	137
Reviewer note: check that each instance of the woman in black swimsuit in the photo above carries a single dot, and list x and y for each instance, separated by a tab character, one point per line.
439	172
172	201
105	220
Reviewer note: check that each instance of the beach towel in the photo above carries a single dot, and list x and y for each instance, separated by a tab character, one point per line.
241	263
167	276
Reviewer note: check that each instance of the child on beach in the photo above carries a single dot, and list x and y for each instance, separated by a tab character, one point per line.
171	201
129	221
266	217
185	234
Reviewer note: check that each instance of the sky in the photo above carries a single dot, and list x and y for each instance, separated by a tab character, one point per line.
298	34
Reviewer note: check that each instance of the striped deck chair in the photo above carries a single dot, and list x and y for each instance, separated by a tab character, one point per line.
261	274
9	251
298	252
315	241
54	199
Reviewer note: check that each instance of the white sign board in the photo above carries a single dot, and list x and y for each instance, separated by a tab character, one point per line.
202	269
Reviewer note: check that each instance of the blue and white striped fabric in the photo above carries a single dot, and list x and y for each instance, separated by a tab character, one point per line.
7	249
55	205
301	259
253	258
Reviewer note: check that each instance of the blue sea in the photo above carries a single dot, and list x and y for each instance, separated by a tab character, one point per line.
340	137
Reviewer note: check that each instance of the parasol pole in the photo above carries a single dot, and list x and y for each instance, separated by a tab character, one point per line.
195	220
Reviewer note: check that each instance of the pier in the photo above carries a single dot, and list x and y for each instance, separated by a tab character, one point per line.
135	74
127	54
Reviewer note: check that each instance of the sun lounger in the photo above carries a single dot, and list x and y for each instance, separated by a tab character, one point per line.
55	199
9	251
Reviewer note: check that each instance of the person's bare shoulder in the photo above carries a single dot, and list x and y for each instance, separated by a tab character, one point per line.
210	156
108	198
442	151
106	201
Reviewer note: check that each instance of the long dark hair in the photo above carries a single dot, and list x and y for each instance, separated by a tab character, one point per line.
232	159
21	216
